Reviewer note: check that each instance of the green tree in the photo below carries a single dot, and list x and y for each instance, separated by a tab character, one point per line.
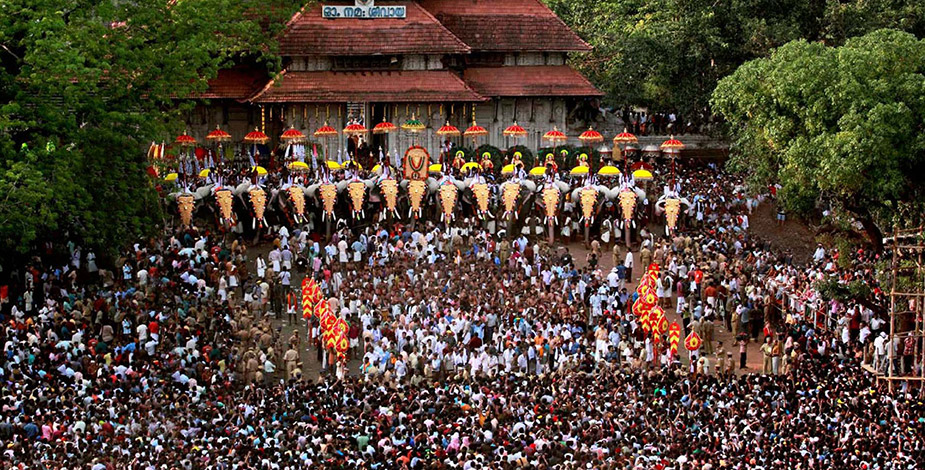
89	83
669	54
836	127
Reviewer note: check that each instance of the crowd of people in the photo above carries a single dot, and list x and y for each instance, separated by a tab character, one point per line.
467	350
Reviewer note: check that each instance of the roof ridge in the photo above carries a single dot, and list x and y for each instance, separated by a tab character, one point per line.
442	26
257	94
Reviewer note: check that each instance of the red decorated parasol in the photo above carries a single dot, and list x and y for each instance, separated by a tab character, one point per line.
384	127
325	131
475	131
256	137
591	136
515	131
625	138
218	135
292	136
185	140
448	130
555	135
672	145
355	129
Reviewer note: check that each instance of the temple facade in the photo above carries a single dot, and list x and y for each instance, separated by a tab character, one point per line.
456	61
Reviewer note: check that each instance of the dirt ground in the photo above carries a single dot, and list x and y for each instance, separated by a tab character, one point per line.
793	234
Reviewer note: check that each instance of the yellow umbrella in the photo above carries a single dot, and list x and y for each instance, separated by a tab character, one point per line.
298	166
171	177
642	175
204	173
469	165
608	170
332	165
377	169
356	164
579	170
538	171
260	170
436	167
507	169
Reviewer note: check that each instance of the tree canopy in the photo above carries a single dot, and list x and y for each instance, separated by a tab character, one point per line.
84	84
839	128
669	54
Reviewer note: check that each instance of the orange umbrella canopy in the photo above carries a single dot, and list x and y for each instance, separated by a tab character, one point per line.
292	136
672	145
256	137
475	130
625	138
185	139
218	135
325	131
515	131
591	136
384	127
355	129
448	130
555	135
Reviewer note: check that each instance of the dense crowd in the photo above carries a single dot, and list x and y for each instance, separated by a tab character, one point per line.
468	350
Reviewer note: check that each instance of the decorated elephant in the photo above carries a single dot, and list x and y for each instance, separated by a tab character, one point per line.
516	198
671	205
628	198
189	202
550	202
590	199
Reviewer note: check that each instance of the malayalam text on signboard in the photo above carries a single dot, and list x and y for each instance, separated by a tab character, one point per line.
363	11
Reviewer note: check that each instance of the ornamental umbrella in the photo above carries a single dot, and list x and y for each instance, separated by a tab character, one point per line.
256	137
608	170
642	175
555	136
298	166
475	131
185	140
672	144
591	136
579	170
515	131
414	126
625	138
261	171
356	129
292	136
538	171
384	127
324	132
218	135
471	165
448	130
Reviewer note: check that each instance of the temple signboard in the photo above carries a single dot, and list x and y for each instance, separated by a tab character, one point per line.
363	9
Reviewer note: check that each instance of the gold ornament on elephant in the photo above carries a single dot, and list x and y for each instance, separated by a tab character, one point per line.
588	200
224	199
328	198
627	203
416	191
672	209
185	205
509	194
448	195
482	194
258	199
297	198
551	200
389	189
357	192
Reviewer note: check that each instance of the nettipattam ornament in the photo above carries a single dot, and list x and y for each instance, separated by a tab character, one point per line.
481	193
328	199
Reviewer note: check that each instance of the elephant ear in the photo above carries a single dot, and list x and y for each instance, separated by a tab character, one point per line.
203	192
576	195
341	186
242	188
640	193
403	184
431	185
562	185
370	183
460	185
529	185
311	190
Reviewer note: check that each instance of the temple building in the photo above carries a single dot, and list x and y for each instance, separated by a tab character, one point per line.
457	61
